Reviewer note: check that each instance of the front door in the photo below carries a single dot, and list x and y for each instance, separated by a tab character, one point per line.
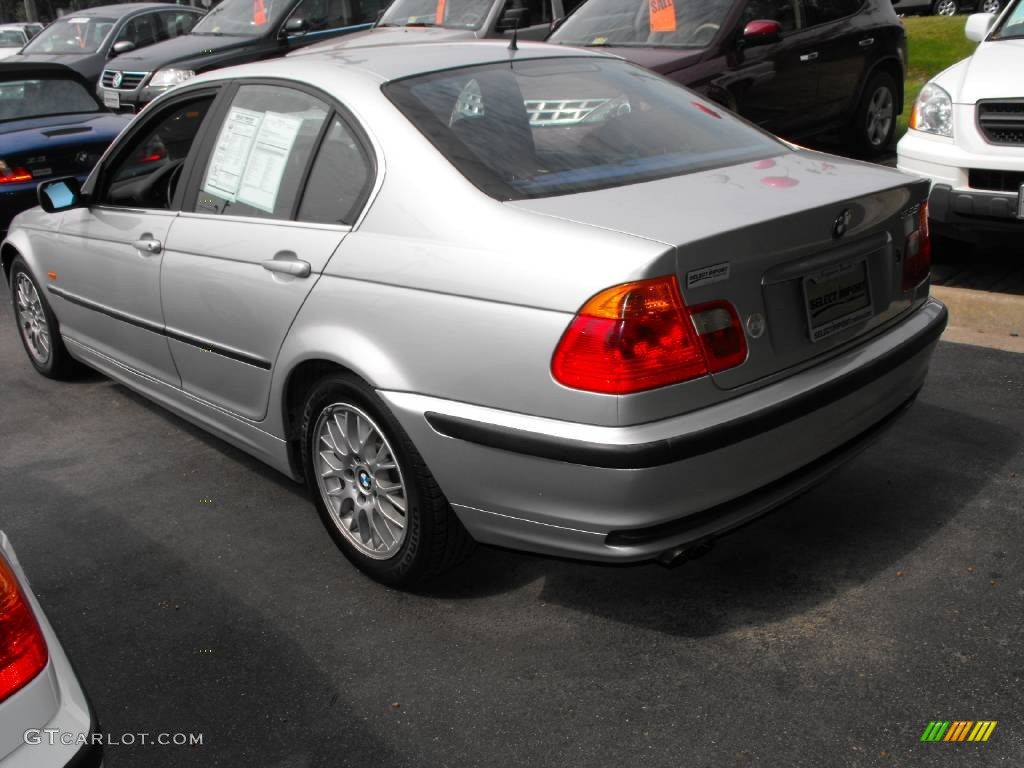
254	236
108	269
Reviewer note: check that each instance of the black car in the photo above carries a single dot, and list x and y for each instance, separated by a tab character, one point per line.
235	32
87	40
796	67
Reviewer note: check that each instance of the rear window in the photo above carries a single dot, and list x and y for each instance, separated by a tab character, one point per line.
22	99
545	127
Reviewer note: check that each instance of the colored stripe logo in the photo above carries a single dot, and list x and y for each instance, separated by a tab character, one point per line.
958	730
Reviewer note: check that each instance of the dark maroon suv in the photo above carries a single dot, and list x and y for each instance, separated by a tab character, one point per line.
795	67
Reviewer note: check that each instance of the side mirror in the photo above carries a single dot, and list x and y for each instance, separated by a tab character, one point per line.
296	25
978	26
762	32
61	194
122	46
512	18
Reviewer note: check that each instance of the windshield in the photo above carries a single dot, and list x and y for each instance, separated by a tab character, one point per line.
243	18
648	23
1012	26
547	127
9	38
22	99
452	14
71	34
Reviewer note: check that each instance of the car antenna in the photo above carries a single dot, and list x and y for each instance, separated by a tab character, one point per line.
513	44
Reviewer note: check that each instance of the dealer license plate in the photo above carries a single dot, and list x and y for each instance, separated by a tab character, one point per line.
837	298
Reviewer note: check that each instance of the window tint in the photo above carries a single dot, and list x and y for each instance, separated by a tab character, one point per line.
822	11
672	23
341	173
147	171
142	30
549	127
782	11
261	152
331	14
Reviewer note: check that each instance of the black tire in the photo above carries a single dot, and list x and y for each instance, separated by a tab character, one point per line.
434	538
863	135
57	364
945	8
990	6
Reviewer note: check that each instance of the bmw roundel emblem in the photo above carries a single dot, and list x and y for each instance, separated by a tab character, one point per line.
116	81
842	223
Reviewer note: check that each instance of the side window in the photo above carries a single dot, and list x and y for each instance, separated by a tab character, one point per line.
147	171
328	14
823	11
782	11
339	180
176	23
141	31
261	152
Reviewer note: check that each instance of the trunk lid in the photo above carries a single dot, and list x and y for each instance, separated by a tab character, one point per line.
793	242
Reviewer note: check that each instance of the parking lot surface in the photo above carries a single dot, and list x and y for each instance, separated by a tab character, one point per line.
197	593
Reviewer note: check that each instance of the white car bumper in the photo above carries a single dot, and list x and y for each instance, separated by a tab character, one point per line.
976	192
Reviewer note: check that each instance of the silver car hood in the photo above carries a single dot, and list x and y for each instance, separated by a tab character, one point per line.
696	206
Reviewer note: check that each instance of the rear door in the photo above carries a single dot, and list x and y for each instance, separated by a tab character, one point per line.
843	45
272	197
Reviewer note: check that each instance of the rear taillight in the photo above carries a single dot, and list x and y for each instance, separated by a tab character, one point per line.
917	261
23	653
640	335
15	175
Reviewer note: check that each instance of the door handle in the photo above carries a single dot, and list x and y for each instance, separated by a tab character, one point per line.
867	42
812	56
287	263
148	244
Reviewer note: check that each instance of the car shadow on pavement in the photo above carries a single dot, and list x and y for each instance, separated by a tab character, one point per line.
860	522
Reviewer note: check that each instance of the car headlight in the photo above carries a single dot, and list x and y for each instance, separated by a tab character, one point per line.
165	78
933	111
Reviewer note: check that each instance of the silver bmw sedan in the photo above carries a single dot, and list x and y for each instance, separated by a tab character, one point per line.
529	297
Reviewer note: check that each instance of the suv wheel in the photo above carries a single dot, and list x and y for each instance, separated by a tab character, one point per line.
871	130
990	6
945	8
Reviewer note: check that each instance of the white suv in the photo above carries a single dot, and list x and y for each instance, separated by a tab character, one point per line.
967	134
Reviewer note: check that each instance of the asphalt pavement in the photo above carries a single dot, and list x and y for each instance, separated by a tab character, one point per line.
197	593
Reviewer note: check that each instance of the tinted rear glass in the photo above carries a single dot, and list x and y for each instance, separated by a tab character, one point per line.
22	99
546	127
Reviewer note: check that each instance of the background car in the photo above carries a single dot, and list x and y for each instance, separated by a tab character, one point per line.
947	7
795	67
577	301
86	40
39	690
966	135
50	125
235	32
13	38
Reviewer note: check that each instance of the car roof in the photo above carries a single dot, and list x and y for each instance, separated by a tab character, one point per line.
389	62
123	9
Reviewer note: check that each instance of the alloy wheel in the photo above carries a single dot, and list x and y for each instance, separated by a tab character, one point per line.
360	481
990	6
31	319
880	115
946	8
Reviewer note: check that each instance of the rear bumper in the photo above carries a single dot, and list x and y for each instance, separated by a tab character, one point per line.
972	215
631	493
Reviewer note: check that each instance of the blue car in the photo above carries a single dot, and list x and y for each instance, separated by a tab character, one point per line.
50	125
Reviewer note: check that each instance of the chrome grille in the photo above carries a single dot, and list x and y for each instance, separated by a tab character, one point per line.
1002	122
129	80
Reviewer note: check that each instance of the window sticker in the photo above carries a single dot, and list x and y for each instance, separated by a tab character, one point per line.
268	160
663	15
231	153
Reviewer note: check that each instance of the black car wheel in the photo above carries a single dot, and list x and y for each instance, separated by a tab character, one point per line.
990	6
874	122
373	490
945	8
